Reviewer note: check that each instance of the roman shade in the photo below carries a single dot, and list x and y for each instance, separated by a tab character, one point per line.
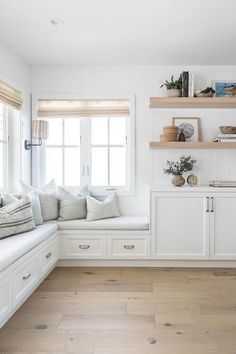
10	96
82	108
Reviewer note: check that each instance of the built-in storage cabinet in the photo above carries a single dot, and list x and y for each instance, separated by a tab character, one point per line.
193	225
180	226
5	297
222	226
128	246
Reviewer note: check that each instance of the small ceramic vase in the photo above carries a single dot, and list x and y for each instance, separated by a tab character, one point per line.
173	93
178	180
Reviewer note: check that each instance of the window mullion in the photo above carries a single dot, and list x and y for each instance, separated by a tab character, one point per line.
108	152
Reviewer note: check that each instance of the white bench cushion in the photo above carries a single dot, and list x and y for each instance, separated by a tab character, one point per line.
14	247
119	223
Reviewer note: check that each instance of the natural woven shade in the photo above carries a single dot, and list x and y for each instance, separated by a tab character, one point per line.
10	96
83	108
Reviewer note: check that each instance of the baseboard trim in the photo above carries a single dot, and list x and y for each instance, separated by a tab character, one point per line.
145	263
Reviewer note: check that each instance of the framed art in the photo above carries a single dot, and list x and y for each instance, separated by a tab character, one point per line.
190	126
225	88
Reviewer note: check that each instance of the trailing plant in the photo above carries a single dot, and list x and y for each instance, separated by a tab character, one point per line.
185	164
208	90
172	84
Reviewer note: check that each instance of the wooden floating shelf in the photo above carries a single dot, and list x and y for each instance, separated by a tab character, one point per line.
189	145
193	102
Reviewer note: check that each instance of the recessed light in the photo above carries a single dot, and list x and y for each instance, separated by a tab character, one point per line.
56	21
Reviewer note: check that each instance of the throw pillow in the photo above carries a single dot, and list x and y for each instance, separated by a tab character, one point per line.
48	199
16	218
102	210
35	203
71	206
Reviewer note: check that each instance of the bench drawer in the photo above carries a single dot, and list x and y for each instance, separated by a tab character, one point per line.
82	247
127	247
5	297
49	255
25	276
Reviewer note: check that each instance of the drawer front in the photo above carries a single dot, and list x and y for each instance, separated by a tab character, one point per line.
124	247
25	276
49	255
5	297
82	247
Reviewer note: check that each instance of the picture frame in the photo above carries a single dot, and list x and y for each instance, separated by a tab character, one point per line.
190	127
224	88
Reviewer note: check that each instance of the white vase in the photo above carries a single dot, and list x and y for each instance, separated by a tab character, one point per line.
173	93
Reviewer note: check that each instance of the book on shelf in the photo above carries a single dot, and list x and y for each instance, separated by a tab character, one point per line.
191	85
185	83
225	138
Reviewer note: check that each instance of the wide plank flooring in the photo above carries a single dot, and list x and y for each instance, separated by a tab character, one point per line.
127	311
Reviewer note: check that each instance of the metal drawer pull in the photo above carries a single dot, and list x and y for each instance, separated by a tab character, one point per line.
48	255
25	277
84	247
129	247
212	204
207	209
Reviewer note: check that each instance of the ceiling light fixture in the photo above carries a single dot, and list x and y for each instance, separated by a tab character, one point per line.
56	21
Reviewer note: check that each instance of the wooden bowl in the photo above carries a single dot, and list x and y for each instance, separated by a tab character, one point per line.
227	129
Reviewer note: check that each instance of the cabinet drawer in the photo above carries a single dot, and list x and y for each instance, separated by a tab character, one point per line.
49	255
25	277
89	246
5	297
124	247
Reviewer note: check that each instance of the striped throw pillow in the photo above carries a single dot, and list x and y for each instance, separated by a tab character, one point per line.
16	218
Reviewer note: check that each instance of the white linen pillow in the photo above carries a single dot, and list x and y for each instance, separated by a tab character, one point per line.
97	210
35	203
71	206
16	218
47	197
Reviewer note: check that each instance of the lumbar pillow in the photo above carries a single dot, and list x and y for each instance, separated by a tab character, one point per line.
47	197
16	218
102	210
71	206
35	203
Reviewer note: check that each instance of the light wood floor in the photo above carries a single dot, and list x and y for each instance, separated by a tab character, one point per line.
127	311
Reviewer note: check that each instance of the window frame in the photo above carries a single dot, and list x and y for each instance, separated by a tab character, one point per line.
4	142
38	166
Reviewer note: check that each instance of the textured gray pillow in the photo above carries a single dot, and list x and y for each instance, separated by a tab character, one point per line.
35	203
16	218
48	199
71	206
97	210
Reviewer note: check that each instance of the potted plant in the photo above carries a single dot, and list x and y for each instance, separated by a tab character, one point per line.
173	87
176	169
207	92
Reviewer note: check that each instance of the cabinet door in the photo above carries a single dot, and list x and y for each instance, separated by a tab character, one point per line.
180	225
223	226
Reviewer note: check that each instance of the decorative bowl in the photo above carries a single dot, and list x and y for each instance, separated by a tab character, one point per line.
226	129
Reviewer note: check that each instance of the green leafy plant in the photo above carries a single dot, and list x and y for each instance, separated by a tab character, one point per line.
173	84
185	164
208	90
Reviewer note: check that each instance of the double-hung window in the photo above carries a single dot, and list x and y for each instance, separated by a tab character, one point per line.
90	142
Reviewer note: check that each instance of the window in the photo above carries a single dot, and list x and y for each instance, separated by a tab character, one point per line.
3	146
92	151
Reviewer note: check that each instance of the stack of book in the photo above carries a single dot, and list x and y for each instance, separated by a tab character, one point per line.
187	84
225	138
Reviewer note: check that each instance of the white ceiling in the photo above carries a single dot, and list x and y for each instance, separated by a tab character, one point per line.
174	32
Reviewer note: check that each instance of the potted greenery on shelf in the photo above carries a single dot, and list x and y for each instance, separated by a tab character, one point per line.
176	169
173	87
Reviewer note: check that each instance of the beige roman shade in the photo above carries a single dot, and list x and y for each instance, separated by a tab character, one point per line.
10	96
83	108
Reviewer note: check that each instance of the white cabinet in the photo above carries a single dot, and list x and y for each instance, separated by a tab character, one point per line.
84	247
49	256
193	224
223	226
128	246
5	297
180	226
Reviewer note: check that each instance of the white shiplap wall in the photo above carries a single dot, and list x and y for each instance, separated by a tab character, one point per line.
144	81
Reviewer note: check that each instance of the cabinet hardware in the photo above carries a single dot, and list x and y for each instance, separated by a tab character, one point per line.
84	247
25	277
212	204
48	255
129	247
207	209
